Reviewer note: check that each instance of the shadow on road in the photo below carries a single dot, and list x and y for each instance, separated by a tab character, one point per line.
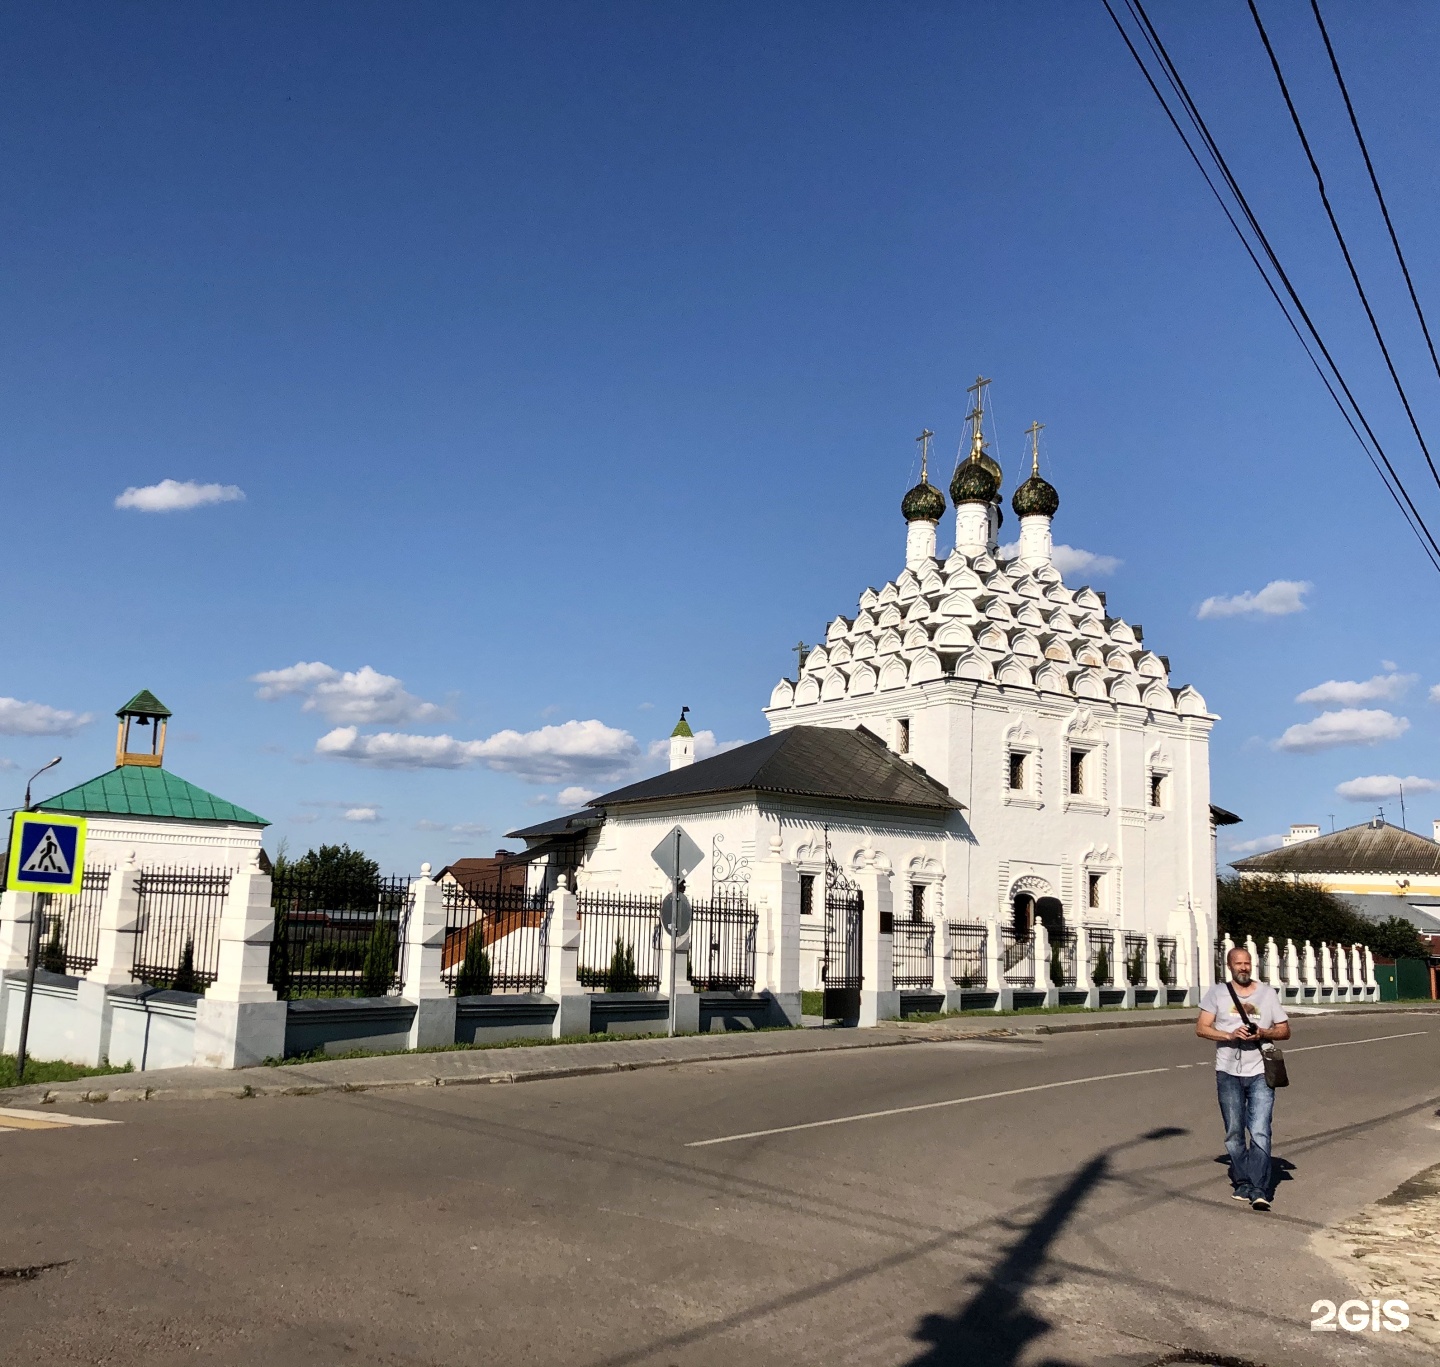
995	1326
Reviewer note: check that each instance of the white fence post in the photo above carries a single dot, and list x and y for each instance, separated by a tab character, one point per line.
16	911
1084	978
941	980
1292	969
240	1022
1152	970
421	965
562	967
1327	974
995	968
1226	945
1308	974
775	888
1274	968
878	998
1372	986
687	1000
1044	978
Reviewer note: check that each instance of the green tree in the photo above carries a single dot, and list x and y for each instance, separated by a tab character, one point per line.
1102	966
377	970
1289	908
623	976
337	862
280	954
474	978
1057	964
184	979
1135	969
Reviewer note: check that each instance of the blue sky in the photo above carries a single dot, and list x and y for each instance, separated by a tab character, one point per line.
569	358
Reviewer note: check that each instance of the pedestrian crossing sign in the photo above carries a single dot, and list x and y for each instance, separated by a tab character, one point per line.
47	853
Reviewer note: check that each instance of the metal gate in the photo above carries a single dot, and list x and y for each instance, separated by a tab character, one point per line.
840	970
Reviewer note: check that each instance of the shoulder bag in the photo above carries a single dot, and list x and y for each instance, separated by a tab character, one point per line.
1273	1055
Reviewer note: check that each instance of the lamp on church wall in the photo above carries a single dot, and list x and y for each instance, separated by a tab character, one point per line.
143	713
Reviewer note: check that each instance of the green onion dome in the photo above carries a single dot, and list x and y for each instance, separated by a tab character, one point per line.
1036	497
925	502
974	483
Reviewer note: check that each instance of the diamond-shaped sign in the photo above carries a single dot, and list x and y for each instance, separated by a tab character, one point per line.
677	854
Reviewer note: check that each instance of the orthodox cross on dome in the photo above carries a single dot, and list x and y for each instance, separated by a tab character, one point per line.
1033	432
924	440
976	416
801	651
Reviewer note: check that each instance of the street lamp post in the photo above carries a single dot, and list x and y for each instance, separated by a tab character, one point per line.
34	946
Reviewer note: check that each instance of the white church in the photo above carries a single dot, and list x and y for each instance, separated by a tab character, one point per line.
976	743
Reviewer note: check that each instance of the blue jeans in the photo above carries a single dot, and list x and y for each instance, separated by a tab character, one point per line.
1246	1103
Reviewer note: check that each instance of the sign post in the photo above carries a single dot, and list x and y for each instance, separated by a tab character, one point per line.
47	855
677	854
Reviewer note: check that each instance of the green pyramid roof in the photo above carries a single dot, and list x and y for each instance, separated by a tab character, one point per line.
144	703
137	790
682	727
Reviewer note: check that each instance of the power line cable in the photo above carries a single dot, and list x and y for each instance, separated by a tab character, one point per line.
1388	475
1375	185
1340	238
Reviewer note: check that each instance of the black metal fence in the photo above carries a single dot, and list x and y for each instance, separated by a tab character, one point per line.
1017	957
968	949
1064	950
1168	960
619	942
723	933
337	933
1100	953
842	967
1137	968
496	939
912	950
178	944
70	928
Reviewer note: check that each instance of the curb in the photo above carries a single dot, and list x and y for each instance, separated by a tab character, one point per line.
900	1034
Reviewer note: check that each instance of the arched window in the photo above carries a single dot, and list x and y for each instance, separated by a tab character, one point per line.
1024	911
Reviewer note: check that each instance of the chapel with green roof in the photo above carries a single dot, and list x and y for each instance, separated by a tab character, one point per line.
139	806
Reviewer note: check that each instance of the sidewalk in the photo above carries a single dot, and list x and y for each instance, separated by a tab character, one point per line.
526	1063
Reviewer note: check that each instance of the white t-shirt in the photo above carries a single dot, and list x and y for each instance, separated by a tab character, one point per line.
1264	1009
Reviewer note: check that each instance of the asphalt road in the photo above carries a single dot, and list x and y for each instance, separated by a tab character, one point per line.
1054	1201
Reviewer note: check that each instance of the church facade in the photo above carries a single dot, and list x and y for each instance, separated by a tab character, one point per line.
1019	756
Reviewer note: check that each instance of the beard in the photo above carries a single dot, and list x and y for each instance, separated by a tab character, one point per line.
1241	979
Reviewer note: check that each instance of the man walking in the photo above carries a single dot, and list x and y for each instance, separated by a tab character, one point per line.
1246	1099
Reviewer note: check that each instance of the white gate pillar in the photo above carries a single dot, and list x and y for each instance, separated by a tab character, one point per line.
240	1022
421	960
878	998
1044	979
775	890
562	967
995	968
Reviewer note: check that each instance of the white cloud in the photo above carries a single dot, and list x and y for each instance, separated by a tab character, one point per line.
1256	846
1278	598
1348	726
646	707
1348	692
470	828
362	696
574	749
1380	787
1435	693
7	764
362	814
425	824
576	796
36	719
1071	559
177	496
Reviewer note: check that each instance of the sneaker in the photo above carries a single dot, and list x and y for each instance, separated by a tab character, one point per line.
1260	1203
1238	1195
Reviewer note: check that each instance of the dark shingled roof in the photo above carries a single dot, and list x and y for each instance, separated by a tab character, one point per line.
560	825
1371	848
803	761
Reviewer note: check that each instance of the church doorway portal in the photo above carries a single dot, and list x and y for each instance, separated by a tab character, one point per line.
1023	908
1051	914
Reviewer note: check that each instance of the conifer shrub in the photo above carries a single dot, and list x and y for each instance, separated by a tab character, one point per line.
377	969
1102	966
52	958
623	976
475	978
184	979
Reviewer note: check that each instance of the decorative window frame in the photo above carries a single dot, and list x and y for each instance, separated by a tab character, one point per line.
1159	765
1083	735
1100	860
925	871
1020	739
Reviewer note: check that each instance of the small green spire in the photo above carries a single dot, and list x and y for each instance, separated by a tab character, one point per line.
682	727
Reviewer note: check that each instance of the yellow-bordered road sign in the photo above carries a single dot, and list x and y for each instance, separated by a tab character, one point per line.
47	852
